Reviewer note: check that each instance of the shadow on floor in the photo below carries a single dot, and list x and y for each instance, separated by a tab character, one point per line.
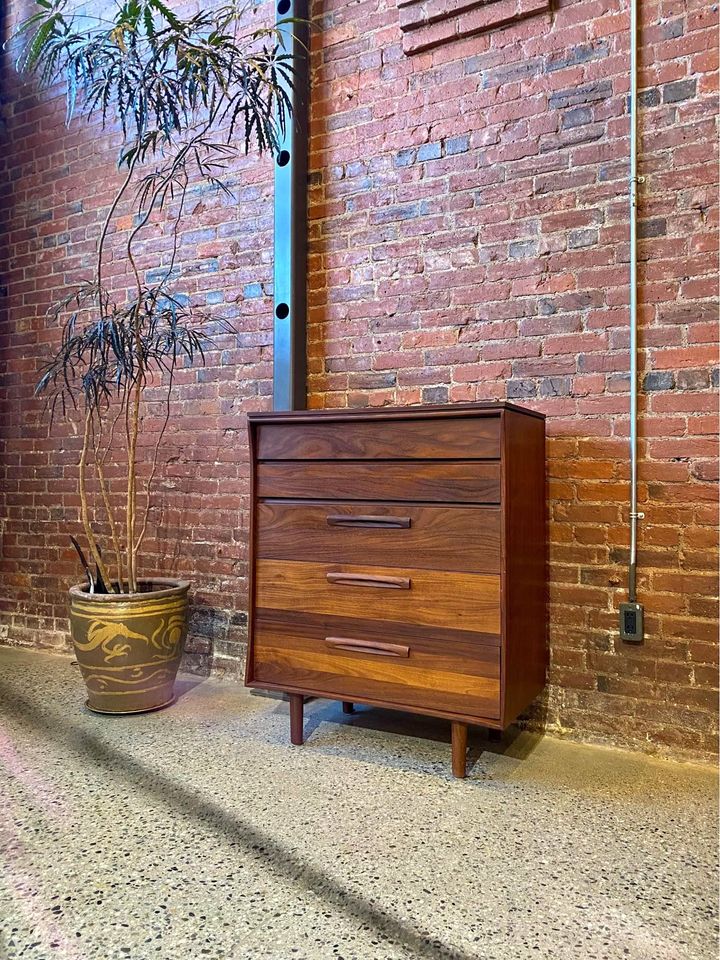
185	683
280	860
513	742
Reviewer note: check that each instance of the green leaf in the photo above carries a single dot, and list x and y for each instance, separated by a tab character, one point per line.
149	22
71	92
168	15
38	46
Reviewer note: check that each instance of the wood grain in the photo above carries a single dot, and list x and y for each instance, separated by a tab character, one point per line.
460	481
468	601
525	589
458	680
306	629
459	739
422	411
295	622
448	537
443	439
297	702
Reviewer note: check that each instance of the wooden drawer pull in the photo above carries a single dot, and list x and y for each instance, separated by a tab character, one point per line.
368	646
361	520
368	580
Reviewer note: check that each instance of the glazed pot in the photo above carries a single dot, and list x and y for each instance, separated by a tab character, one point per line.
129	646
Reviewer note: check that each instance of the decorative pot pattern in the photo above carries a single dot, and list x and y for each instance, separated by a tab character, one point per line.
129	646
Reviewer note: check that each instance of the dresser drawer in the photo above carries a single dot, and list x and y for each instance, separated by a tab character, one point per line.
467	438
389	534
369	660
409	595
398	559
460	481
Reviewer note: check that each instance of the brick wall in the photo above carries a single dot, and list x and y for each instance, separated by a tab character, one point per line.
469	240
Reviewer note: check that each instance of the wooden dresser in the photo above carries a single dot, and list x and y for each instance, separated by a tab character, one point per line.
398	559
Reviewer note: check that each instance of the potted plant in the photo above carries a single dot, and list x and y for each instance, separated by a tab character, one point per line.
184	94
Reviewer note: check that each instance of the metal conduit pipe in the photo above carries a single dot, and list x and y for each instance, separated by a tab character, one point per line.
631	613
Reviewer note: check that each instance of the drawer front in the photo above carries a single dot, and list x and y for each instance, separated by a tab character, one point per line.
376	661
432	598
388	534
468	438
462	481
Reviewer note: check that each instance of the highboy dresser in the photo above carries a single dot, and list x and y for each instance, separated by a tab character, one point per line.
398	559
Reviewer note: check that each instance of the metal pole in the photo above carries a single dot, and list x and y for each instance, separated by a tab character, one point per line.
290	244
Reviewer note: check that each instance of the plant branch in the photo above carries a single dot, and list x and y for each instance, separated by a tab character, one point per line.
156	455
105	494
108	219
161	435
132	486
84	509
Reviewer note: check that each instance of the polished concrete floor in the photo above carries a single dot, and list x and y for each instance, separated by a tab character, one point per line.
198	832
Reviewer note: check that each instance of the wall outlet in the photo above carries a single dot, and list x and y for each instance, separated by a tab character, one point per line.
631	622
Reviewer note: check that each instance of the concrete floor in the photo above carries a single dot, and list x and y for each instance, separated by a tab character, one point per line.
198	832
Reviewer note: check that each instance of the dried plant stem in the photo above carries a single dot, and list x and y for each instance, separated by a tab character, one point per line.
105	494
156	452
84	510
99	463
116	419
132	487
134	426
156	455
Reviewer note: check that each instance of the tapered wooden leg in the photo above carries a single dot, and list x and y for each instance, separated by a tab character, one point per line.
296	718
348	707
459	748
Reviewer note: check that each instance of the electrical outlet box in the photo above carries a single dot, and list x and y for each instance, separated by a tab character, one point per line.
631	622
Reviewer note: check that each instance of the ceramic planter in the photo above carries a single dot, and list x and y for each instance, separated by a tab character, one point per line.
129	646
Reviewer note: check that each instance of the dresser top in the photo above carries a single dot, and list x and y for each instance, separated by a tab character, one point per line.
418	411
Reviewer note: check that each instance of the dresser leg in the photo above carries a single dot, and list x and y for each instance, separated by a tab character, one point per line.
459	748
296	718
348	707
